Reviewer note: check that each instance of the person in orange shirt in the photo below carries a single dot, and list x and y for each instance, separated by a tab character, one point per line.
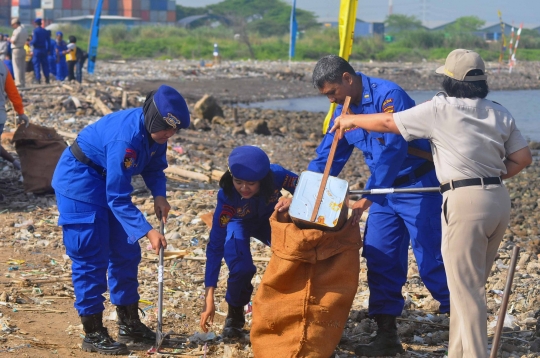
8	86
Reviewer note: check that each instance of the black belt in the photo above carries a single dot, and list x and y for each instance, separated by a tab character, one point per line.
469	182
417	173
81	157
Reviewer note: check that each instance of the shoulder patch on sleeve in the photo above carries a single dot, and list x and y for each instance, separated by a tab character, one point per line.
129	158
227	212
388	105
290	181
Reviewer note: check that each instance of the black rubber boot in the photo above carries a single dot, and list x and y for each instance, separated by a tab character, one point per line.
234	323
97	338
47	80
386	342
130	327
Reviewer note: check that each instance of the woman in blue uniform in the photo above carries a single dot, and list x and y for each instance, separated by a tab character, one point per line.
250	192
101	225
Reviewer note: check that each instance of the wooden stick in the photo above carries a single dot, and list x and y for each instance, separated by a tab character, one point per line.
67	134
328	166
101	106
39	310
187	174
504	305
124	99
28	282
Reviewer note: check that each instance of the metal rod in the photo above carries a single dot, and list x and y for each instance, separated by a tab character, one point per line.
159	328
394	190
504	305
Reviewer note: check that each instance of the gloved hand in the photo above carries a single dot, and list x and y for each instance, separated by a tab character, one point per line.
17	164
23	119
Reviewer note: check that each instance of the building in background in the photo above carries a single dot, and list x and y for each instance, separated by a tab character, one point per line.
148	11
361	28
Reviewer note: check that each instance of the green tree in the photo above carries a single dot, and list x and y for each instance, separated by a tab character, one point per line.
266	17
396	23
184	11
465	24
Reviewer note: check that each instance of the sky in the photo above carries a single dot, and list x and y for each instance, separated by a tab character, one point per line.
434	12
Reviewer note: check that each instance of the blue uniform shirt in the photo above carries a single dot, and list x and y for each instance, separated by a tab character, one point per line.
40	39
59	47
253	209
119	142
384	153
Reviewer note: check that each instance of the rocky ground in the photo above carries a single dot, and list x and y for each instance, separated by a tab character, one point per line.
36	296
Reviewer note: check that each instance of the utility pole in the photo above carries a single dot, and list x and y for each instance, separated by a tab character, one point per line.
390	7
424	12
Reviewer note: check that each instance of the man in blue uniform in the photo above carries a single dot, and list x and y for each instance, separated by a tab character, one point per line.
51	55
41	43
394	219
249	193
60	51
101	226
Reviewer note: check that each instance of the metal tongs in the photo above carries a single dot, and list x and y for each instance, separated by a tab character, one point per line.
161	337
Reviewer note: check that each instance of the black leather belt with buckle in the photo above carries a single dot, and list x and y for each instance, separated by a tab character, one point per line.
469	182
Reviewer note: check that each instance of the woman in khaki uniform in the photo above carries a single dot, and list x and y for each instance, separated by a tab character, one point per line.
475	144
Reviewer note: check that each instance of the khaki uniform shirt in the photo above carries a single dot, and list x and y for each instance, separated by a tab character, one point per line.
469	137
18	39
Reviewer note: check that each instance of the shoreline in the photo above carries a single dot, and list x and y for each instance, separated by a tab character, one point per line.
254	81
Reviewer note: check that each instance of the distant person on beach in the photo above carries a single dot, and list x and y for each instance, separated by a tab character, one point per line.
249	194
51	55
3	47
9	64
29	67
9	88
395	220
101	225
76	58
41	43
18	41
476	144
60	57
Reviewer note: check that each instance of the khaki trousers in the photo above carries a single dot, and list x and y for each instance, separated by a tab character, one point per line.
19	66
474	220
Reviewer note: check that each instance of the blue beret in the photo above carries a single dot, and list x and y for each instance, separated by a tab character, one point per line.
59	33
172	107
249	163
38	20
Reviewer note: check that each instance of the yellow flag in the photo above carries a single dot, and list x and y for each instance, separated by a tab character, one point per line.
346	23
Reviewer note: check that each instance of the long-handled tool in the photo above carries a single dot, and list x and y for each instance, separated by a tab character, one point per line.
504	305
159	328
160	336
396	190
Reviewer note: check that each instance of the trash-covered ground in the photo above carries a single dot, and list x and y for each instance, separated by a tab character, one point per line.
37	317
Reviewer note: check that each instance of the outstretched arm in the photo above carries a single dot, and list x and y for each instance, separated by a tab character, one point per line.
377	122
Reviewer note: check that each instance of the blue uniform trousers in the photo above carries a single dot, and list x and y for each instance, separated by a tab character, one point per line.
52	64
96	243
61	69
238	258
404	218
40	59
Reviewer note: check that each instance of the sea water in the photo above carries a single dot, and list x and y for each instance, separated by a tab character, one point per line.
523	104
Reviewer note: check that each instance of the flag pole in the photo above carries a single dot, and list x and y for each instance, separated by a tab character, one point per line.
293	30
94	38
346	24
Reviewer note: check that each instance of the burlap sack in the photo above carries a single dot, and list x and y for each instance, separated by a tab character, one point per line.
303	301
39	149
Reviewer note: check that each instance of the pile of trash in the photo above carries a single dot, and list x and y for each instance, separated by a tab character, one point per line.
36	284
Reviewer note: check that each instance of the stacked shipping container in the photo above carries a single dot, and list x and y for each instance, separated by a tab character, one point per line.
156	11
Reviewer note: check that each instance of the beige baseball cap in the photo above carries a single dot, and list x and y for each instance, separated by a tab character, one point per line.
459	62
14	20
